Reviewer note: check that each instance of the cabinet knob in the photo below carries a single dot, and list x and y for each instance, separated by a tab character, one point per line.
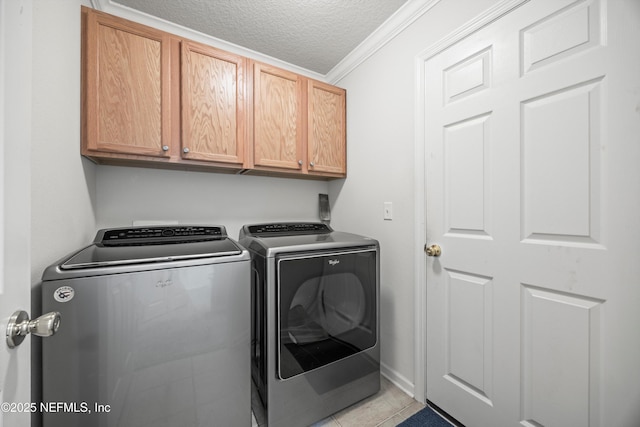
300	162
165	148
185	150
312	164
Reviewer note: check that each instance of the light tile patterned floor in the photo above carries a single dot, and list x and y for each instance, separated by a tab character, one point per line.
388	408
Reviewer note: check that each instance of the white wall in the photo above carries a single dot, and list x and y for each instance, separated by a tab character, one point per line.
380	134
62	182
125	195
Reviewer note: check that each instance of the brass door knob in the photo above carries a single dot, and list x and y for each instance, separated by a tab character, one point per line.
433	250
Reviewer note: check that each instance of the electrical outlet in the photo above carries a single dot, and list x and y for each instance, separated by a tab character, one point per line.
388	211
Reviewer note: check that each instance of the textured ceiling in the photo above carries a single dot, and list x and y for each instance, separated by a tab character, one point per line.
312	34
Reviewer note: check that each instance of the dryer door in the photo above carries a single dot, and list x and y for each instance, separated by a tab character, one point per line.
327	308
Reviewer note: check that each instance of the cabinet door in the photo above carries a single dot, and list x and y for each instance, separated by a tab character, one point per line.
326	129
126	86
213	104
278	118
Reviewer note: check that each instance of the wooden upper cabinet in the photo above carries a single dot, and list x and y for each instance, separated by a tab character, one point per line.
213	104
299	124
150	98
277	118
126	87
326	129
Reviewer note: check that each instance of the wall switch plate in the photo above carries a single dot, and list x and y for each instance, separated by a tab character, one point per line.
388	211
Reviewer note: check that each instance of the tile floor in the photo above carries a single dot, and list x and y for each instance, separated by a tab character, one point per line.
388	408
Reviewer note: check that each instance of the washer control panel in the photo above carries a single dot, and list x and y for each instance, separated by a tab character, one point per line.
159	235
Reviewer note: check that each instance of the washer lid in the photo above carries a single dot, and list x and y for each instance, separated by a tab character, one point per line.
108	256
138	245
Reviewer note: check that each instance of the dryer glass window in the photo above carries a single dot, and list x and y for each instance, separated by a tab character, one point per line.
326	308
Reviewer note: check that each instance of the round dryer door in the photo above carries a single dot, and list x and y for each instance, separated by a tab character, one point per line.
327	308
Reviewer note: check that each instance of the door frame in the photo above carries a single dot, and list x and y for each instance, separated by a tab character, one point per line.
2	138
490	16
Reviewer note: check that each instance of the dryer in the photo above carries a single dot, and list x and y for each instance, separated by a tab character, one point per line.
315	327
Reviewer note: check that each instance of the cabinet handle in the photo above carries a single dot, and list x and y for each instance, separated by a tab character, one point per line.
312	164
185	150
165	148
300	162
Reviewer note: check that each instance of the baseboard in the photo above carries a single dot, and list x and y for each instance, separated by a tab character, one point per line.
397	379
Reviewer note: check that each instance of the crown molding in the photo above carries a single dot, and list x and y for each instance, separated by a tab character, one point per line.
387	31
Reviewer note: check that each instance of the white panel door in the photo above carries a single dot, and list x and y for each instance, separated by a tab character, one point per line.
532	154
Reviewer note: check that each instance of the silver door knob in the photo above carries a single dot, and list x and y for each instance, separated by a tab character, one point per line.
165	148
312	164
20	326
185	150
433	250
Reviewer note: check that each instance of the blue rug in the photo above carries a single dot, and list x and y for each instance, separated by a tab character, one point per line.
427	417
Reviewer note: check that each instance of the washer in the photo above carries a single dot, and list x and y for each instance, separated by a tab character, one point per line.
155	328
315	328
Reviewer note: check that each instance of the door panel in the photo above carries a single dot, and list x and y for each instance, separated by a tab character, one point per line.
470	336
531	154
561	34
467	177
560	340
561	165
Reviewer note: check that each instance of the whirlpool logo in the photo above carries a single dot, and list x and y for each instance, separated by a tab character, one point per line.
333	262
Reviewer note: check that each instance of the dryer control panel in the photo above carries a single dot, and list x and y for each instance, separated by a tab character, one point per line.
286	229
